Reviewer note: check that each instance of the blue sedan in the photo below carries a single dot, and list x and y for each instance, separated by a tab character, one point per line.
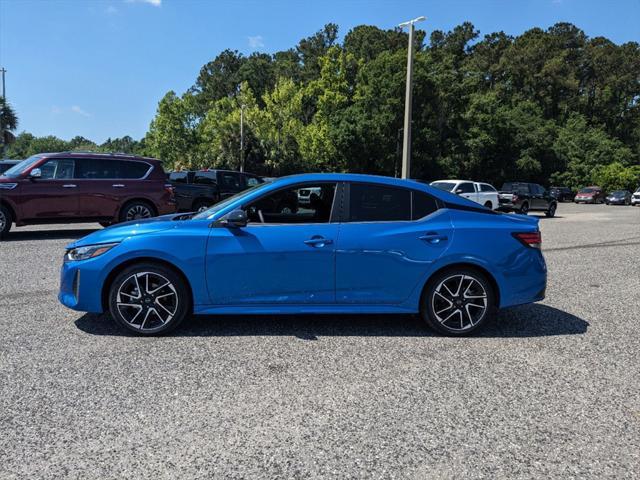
356	244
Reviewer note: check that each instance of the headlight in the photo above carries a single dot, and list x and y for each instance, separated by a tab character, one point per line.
90	251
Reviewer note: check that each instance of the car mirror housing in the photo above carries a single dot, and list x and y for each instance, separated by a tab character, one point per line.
234	219
35	173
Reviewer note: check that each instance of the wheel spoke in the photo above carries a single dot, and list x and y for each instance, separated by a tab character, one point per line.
463	308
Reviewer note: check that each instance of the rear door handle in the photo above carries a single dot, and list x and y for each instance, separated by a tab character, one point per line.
118	185
433	237
69	185
318	241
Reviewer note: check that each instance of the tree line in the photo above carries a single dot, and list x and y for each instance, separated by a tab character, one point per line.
550	106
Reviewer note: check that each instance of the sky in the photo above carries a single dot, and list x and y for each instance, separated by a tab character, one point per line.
97	68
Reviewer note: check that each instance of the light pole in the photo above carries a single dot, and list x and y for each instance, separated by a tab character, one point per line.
242	107
4	94
406	145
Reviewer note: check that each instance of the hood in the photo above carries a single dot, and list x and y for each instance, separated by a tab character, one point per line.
121	231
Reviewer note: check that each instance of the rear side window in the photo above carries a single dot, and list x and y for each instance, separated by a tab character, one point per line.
422	205
378	203
486	188
101	168
465	187
205	178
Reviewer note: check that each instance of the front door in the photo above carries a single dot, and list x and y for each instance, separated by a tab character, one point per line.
283	255
52	196
388	244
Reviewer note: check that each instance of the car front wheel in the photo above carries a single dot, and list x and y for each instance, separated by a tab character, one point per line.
149	299
524	209
551	212
458	302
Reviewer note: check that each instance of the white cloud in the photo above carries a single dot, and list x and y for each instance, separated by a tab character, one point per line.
155	3
256	42
79	111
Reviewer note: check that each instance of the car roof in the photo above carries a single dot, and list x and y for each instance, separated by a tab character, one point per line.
456	181
101	155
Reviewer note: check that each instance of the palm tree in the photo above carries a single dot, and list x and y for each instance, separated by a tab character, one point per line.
8	123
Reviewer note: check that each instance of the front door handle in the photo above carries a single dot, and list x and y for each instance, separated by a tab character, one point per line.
318	241
69	185
433	237
118	185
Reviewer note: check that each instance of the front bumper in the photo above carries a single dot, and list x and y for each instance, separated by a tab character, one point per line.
78	285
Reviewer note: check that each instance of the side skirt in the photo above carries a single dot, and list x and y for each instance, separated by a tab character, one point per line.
271	309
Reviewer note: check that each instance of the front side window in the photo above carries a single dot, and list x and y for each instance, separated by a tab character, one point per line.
378	203
283	207
465	187
179	177
57	169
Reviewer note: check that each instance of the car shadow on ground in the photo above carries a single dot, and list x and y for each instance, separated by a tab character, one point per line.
534	320
71	234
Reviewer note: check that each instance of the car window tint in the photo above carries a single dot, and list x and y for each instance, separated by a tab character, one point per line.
378	203
57	169
178	177
205	178
422	205
466	187
230	180
284	207
103	168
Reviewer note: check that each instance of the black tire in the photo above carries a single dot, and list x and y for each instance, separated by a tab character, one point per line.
432	303
551	212
524	209
6	219
136	210
201	205
159	317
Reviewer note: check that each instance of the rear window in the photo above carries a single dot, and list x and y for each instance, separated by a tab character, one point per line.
446	186
102	168
178	177
515	187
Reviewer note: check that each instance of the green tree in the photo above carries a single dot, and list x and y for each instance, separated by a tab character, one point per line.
616	176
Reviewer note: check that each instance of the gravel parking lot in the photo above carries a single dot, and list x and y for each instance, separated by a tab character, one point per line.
549	390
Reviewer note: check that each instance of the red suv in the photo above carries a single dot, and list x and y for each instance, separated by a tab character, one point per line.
77	187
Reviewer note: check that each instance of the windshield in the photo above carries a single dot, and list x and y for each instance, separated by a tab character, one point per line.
515	187
446	186
16	170
618	193
587	190
225	203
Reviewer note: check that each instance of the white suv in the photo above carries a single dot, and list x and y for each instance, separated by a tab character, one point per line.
635	198
481	193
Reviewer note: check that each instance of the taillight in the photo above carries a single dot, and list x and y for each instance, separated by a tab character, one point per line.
529	239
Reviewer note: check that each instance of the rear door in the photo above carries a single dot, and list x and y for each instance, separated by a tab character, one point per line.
105	183
52	196
388	241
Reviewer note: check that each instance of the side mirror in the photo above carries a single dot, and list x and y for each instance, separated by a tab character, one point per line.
35	173
235	219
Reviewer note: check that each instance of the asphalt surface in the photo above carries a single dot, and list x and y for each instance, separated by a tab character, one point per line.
550	390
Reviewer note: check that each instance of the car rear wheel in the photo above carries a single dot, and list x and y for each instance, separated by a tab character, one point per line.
458	302
149	299
551	212
137	210
524	209
6	219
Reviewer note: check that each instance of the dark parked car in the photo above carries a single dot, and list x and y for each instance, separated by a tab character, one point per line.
196	191
523	197
7	164
562	194
619	197
79	187
590	195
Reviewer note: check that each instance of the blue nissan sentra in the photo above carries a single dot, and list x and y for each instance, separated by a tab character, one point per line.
357	244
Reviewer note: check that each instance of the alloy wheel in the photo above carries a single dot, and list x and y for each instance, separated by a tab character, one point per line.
137	212
459	302
147	301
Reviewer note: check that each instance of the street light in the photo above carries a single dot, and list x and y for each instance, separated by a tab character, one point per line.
242	107
406	145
